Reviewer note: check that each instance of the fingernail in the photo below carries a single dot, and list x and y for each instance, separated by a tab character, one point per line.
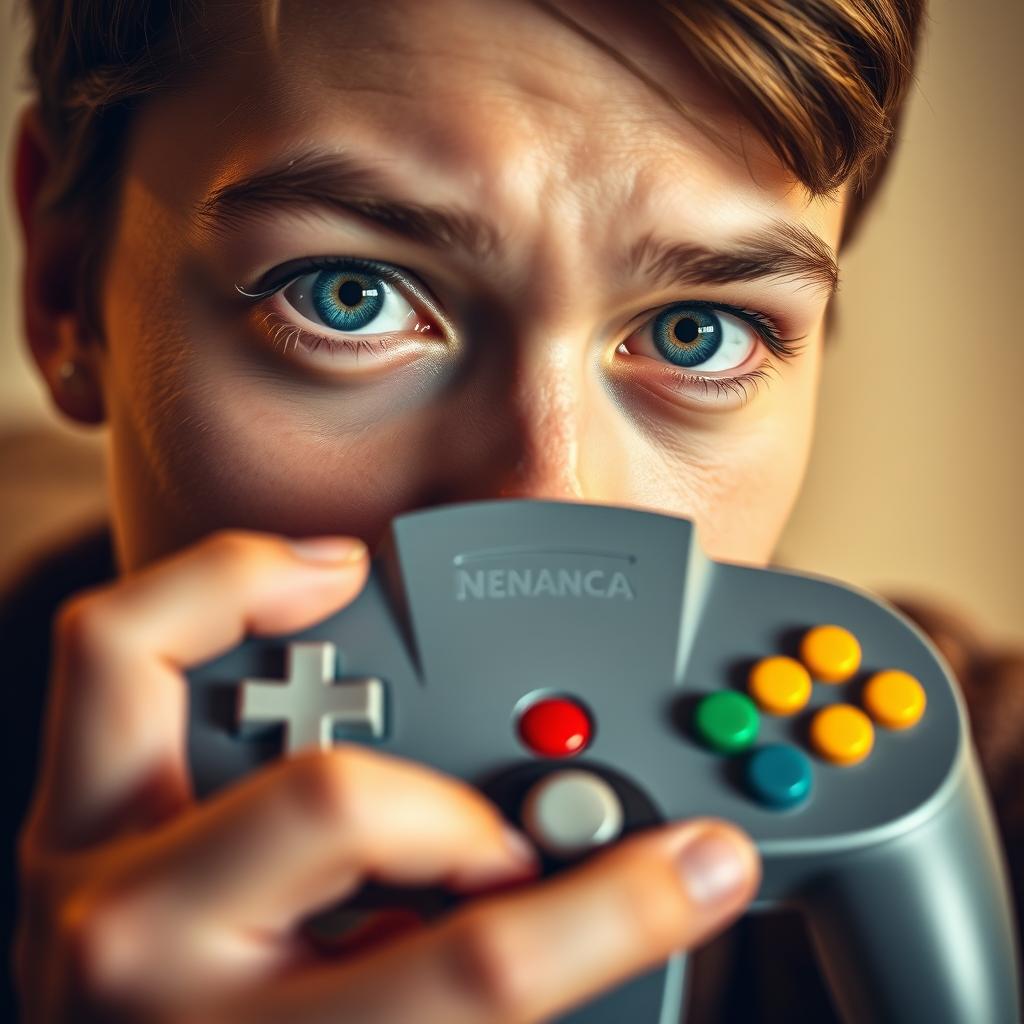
713	867
524	864
330	550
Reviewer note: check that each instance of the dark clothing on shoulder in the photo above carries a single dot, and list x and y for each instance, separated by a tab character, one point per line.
27	606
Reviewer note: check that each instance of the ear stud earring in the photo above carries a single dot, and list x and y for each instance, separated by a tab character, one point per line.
75	390
68	370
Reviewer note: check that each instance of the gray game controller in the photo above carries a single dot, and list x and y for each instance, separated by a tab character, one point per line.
594	673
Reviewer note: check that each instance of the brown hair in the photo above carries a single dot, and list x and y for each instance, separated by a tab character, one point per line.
823	81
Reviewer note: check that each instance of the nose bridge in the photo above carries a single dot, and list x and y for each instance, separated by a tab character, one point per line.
543	410
537	384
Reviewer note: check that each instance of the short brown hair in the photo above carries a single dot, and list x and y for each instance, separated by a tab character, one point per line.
823	81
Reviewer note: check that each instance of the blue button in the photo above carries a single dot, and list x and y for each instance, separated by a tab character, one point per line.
779	776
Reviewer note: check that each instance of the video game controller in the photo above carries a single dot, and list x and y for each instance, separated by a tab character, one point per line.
594	673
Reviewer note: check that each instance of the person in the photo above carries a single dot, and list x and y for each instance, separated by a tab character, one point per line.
315	265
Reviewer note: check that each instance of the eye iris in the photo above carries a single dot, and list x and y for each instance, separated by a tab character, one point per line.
347	300
688	338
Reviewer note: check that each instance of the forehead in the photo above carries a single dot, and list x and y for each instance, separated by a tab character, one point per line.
514	106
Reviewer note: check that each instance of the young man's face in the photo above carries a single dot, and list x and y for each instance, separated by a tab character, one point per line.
545	363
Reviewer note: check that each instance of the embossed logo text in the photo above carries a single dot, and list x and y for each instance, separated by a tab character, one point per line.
484	584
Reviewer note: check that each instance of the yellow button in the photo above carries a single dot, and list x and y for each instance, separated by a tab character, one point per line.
842	734
894	699
831	653
780	685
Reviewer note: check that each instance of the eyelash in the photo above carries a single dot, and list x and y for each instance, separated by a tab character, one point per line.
784	349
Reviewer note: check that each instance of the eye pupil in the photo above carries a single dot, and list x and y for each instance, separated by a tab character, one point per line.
350	293
686	330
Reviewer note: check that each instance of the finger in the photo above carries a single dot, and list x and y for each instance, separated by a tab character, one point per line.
308	831
371	929
115	743
212	899
536	952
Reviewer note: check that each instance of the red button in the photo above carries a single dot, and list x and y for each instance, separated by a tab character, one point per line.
555	727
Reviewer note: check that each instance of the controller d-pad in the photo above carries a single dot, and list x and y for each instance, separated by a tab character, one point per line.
315	707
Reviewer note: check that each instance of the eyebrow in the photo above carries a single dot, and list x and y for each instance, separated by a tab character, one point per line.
354	186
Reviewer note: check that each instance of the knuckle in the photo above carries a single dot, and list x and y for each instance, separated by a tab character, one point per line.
238	556
85	624
324	785
104	942
230	547
492	964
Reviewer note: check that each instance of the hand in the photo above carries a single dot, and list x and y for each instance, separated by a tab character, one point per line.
140	903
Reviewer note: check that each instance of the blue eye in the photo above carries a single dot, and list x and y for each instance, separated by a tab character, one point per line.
710	337
351	299
346	300
688	337
356	297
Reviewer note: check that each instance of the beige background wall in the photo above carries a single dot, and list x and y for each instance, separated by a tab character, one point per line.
915	483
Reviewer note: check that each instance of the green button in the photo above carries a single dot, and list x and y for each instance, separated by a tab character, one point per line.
727	721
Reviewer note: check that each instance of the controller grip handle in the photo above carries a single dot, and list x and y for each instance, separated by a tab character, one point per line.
652	998
919	927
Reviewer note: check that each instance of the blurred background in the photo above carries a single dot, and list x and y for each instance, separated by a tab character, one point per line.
915	484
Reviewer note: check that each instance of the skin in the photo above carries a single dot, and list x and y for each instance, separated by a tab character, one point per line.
529	122
502	107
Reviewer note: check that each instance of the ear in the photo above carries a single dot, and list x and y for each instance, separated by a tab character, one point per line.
57	335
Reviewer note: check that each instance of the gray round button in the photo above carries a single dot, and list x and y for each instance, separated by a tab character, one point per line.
570	811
